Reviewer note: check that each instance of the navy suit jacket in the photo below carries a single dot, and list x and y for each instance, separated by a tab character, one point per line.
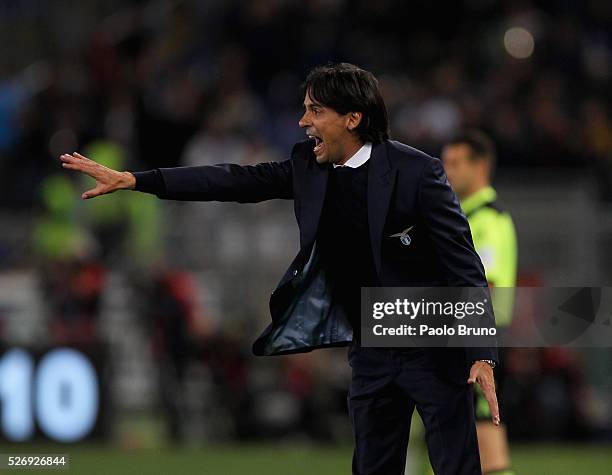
406	187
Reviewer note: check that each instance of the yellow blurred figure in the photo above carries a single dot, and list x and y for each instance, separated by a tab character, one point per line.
469	161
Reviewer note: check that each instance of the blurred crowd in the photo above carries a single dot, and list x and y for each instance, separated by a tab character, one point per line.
194	82
143	84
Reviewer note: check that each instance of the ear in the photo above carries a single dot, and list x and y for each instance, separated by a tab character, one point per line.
353	120
486	167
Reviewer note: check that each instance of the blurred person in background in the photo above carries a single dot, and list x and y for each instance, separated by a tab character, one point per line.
469	160
342	181
170	317
72	276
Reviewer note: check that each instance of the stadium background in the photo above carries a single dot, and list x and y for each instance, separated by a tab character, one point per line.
165	298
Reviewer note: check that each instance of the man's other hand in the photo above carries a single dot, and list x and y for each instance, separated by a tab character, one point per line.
482	373
107	180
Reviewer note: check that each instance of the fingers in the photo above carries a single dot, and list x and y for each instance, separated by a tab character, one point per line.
474	371
484	377
80	163
89	194
106	179
488	389
71	162
97	191
71	166
75	158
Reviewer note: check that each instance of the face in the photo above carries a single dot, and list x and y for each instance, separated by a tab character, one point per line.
334	134
460	170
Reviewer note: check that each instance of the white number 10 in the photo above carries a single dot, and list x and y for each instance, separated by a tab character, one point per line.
65	399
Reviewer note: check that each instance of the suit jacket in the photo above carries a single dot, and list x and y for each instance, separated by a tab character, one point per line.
406	187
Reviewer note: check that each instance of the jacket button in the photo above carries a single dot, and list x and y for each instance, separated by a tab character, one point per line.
295	272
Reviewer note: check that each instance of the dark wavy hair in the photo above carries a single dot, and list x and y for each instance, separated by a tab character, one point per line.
480	144
346	88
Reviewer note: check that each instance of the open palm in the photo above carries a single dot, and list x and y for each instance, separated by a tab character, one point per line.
107	179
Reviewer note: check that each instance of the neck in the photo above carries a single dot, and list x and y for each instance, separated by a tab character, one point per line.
474	189
350	151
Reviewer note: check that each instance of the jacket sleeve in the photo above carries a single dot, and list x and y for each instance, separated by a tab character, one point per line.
449	230
226	182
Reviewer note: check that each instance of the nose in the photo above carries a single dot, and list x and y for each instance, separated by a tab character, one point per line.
304	122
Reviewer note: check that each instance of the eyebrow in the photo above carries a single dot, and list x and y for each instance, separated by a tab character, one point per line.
312	105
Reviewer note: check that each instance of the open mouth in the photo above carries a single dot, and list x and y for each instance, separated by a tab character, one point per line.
319	145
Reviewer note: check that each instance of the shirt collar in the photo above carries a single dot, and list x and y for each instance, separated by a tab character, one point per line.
361	156
476	200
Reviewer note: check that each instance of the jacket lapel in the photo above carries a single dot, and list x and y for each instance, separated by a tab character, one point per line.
315	185
381	181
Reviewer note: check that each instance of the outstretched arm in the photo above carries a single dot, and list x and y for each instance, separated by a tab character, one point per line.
227	182
107	180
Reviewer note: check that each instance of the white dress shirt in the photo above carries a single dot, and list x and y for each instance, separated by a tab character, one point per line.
361	156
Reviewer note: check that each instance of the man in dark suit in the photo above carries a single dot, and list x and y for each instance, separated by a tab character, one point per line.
353	191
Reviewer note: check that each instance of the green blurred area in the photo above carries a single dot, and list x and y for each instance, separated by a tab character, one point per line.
295	459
